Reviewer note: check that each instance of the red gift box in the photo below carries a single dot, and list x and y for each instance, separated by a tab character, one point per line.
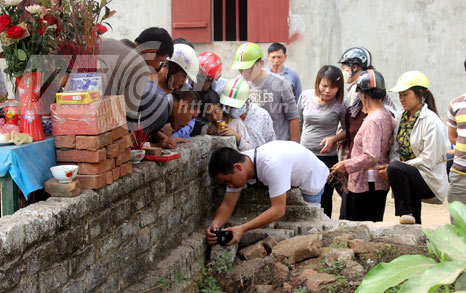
88	119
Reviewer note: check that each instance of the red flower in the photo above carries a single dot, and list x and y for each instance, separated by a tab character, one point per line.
100	29
50	20
41	30
5	22
15	32
57	30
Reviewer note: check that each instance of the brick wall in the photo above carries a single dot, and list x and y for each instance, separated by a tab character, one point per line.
104	240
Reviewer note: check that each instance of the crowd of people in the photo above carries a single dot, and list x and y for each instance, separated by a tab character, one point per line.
323	139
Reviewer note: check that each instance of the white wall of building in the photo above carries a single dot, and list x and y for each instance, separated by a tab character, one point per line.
424	35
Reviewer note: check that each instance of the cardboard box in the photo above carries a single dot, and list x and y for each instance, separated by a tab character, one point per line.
88	119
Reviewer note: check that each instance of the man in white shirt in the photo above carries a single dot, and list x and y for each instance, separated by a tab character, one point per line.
279	165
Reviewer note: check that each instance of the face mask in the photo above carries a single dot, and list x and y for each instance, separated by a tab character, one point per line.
236	113
346	76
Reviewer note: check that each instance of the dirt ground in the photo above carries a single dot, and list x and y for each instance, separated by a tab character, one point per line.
432	216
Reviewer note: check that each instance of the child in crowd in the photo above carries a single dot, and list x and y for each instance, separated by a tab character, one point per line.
257	120
214	114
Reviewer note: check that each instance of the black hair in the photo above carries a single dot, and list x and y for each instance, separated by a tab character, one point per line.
223	160
335	77
189	95
375	93
209	98
173	68
276	47
421	92
184	42
359	65
160	35
465	64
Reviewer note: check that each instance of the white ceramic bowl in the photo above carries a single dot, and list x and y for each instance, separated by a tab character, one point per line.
64	173
137	156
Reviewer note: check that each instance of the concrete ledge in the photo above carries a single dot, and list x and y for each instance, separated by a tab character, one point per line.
104	240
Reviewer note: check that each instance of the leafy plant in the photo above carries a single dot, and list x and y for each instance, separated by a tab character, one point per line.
224	263
163	283
334	269
425	274
339	245
181	278
388	252
207	284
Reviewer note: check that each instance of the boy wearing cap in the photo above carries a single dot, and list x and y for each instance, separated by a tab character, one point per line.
235	96
269	91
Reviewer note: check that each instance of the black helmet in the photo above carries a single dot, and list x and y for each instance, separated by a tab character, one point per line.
370	79
357	55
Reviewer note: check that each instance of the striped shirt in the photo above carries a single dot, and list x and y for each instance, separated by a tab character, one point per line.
457	119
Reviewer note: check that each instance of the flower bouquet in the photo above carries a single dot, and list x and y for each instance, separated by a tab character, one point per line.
27	35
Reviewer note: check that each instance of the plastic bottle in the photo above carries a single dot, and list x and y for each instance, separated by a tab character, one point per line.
12	111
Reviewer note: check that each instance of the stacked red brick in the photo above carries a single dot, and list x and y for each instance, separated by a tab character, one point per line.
102	158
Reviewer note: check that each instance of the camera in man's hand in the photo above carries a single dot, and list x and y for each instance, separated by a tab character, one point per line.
223	236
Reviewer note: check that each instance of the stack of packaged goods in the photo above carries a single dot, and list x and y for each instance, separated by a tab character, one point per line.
94	136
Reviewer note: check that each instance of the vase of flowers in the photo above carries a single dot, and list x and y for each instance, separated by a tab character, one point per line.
26	36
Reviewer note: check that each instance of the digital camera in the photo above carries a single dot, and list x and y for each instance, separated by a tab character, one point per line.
223	236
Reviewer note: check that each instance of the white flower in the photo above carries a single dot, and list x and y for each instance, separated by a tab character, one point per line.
34	9
12	2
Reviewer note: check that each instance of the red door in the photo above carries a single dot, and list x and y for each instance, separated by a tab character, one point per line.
191	19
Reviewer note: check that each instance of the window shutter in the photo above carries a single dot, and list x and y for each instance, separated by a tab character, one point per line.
191	19
268	20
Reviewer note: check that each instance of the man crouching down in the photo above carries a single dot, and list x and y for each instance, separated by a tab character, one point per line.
279	165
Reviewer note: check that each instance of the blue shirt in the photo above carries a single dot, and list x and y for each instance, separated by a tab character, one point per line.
154	109
185	131
292	77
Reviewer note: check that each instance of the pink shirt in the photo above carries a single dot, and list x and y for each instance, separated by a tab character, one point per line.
371	148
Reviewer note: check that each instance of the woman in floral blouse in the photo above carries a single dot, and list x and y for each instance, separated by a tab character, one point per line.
367	189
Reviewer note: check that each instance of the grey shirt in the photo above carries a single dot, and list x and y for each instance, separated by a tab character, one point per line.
274	94
319	121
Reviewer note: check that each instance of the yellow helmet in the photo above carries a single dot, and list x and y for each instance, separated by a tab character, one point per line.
409	79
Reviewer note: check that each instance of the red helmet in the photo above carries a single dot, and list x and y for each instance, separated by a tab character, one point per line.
210	66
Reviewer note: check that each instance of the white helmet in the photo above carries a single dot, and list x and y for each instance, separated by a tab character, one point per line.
235	93
186	58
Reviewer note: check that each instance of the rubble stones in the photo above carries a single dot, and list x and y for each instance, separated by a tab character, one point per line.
298	248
